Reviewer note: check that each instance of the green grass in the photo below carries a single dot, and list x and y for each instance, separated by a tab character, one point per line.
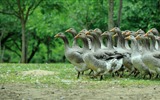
65	76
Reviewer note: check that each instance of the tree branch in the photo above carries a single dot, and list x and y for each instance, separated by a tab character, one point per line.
17	45
35	6
15	51
12	7
20	12
34	50
9	13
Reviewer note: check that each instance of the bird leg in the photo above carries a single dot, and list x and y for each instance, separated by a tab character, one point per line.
136	74
90	72
101	77
157	76
78	75
131	73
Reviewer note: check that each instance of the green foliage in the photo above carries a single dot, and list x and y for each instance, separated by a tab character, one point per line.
53	16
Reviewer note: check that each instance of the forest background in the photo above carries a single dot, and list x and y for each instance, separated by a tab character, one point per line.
27	27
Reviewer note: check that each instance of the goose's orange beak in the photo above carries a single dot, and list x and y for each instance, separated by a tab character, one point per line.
127	38
137	37
87	33
123	33
115	35
76	36
128	33
112	30
150	30
145	35
57	35
95	30
67	30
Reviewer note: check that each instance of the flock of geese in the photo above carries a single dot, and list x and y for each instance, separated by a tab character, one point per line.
114	52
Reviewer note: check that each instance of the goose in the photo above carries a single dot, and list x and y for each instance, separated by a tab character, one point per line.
145	43
127	59
122	49
110	47
73	56
99	32
152	41
74	33
158	42
109	40
152	59
154	31
120	42
97	43
94	61
126	41
156	34
136	58
140	31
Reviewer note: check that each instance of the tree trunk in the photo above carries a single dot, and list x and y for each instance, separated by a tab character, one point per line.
119	13
24	46
1	54
110	14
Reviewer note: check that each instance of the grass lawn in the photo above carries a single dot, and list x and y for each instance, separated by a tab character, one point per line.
59	82
64	75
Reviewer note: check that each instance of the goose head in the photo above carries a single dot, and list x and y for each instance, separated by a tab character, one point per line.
59	35
91	32
106	34
141	37
140	31
130	33
80	35
130	37
72	31
84	30
115	29
149	34
125	32
154	31
98	31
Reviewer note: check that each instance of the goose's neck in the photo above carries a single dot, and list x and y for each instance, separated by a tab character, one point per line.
85	44
121	41
97	42
158	41
126	44
92	45
152	45
75	40
109	42
101	41
66	43
134	47
145	45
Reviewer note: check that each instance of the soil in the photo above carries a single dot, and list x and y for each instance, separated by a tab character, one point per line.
80	91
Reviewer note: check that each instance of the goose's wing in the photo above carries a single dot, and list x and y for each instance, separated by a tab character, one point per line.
157	56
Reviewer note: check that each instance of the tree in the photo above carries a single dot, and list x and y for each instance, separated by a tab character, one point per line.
110	14
20	9
119	13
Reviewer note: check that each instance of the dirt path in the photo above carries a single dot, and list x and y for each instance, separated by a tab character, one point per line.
80	91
